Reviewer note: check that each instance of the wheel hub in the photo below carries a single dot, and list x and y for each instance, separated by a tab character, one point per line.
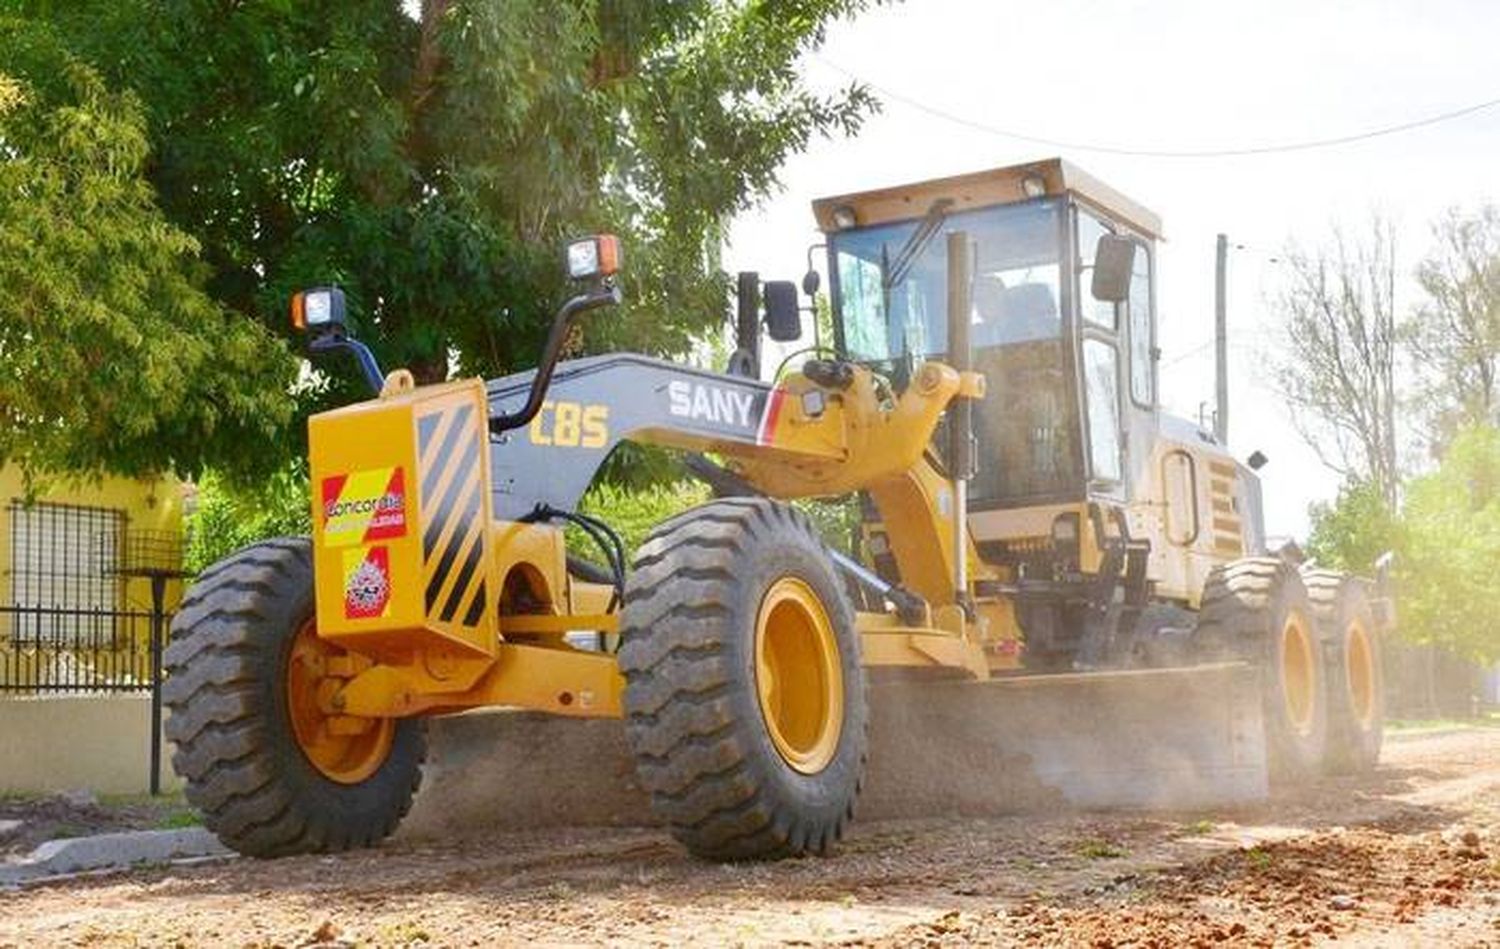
343	748
798	677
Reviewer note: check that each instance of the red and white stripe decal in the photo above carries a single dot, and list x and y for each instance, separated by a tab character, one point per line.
767	431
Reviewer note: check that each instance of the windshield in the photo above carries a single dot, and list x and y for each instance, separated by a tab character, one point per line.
891	301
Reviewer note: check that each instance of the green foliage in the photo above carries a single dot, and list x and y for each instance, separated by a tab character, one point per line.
837	520
633	512
1447	590
1353	531
115	358
433	166
228	517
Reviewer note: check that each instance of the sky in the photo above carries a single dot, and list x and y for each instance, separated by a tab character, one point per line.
1175	75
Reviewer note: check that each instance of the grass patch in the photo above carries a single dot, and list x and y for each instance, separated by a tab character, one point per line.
69	829
172	800
1198	828
1097	849
1259	858
178	820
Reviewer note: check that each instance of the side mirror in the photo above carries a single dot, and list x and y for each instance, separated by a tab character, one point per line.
783	316
1114	261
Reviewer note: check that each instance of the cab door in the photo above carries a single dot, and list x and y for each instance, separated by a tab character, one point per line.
1099	328
1117	366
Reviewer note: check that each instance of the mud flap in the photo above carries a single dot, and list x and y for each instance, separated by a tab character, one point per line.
1153	739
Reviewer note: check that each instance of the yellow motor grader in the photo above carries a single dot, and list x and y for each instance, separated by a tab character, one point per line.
1027	510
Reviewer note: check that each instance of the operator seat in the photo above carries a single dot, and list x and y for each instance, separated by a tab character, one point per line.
1022	426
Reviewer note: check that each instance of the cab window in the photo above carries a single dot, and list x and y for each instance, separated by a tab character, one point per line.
1096	312
1142	346
1101	372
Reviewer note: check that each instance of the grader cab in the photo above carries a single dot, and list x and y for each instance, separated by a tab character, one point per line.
990	401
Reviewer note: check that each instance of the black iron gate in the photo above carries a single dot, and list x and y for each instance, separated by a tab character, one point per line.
67	623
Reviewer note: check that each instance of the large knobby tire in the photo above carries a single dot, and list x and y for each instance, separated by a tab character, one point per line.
745	698
240	692
1256	609
1356	675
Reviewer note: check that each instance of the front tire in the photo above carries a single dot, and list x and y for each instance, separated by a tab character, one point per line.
744	700
1256	609
271	775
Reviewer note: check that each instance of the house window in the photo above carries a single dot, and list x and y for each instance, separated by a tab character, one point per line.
64	579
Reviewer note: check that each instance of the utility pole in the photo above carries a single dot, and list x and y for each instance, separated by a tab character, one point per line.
1221	343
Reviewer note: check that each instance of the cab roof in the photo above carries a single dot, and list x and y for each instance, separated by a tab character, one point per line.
983	189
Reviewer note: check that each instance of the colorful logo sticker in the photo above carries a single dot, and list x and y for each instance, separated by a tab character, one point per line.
367	583
364	506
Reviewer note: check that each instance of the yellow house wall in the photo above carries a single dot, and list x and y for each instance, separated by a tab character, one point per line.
155	505
101	743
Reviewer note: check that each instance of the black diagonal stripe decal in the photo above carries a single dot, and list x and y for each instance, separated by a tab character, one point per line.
476	607
426	428
433	472
463	479
461	532
461	585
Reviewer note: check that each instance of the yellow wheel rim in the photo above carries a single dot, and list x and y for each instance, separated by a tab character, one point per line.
798	678
1299	683
1359	673
343	749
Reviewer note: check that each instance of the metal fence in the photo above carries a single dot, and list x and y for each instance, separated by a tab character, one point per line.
55	649
68	621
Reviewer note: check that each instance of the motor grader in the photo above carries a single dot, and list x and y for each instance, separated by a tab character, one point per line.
989	403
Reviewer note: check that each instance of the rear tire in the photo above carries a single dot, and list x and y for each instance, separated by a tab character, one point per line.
1256	609
744	700
1356	676
227	692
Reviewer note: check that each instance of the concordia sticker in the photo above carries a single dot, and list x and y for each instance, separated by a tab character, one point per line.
364	506
367	583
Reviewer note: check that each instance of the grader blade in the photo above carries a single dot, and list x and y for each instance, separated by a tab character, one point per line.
1154	739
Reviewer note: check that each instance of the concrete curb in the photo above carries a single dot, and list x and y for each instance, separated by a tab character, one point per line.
111	852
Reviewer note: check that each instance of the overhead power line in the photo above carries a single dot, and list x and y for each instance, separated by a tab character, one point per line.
1166	153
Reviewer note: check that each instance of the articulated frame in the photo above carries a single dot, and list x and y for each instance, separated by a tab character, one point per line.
447	598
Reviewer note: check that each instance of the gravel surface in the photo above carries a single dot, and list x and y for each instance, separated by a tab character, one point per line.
1409	855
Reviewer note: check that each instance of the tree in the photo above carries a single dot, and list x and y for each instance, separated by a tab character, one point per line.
1446	567
434	163
227	517
1455	336
114	357
1339	364
1352	532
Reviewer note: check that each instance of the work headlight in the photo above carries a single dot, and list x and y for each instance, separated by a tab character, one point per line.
597	256
318	309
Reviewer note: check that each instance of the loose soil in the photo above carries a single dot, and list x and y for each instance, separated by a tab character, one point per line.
1409	855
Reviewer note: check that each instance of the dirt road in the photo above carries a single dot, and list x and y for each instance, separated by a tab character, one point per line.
1409	855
